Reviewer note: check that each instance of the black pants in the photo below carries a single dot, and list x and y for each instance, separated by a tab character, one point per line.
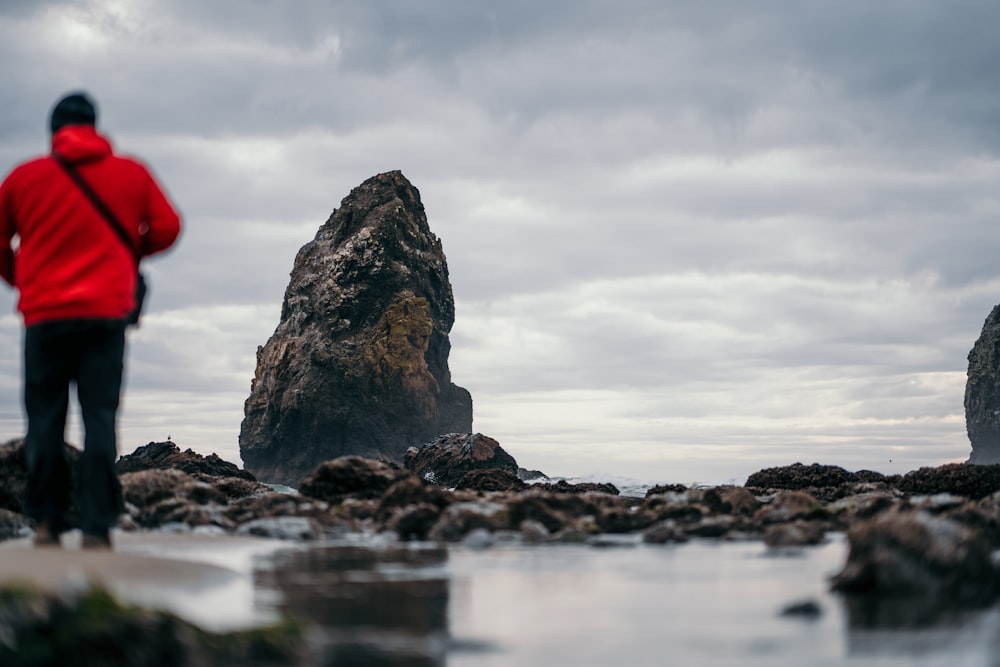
56	354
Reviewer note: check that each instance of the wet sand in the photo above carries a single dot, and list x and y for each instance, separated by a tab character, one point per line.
207	580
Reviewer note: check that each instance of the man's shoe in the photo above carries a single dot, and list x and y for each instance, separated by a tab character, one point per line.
46	537
97	541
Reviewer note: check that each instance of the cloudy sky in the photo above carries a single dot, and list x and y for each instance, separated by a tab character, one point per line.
687	239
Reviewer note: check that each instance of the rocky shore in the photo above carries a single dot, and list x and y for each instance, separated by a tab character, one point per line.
918	543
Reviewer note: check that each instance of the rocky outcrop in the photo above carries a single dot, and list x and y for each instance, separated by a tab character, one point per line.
825	482
960	479
446	460
359	361
167	455
982	393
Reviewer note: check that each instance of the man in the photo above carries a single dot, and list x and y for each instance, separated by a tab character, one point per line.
76	280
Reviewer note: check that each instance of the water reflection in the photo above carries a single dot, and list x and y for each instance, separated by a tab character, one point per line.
381	607
703	603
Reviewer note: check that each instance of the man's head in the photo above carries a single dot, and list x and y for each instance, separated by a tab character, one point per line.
73	109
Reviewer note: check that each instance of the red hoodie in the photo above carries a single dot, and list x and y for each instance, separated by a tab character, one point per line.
68	262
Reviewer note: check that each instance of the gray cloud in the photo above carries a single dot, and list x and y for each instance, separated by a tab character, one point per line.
682	236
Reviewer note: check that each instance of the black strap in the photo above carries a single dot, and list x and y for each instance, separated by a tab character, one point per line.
101	207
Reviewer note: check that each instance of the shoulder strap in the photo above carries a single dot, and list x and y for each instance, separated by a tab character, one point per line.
101	207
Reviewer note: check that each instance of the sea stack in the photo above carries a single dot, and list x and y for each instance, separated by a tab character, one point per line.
358	364
982	393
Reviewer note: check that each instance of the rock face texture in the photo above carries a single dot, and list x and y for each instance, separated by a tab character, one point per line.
358	364
166	455
982	393
446	460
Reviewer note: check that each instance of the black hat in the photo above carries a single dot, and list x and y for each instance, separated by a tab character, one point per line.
73	109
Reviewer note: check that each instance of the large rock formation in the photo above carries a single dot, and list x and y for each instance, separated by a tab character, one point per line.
982	393
359	361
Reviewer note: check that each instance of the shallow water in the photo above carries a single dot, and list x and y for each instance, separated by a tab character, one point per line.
700	603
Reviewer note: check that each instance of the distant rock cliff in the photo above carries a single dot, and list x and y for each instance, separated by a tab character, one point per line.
359	361
982	393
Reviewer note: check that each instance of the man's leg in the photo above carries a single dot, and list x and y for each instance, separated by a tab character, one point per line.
48	368
99	381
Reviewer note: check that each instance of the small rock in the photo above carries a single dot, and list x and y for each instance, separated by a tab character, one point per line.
661	489
712	526
459	519
415	521
663	533
478	539
788	505
490	479
805	609
410	491
294	528
534	532
797	534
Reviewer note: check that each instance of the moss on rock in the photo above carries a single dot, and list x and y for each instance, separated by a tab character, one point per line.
92	627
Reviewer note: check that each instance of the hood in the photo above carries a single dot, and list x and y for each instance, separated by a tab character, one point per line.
80	143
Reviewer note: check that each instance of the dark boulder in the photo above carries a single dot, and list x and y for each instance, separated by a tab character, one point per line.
960	479
459	519
414	522
798	476
620	519
88	626
907	567
351	476
358	364
411	491
804	609
661	489
664	532
490	479
164	455
555	511
788	506
451	456
982	393
233	488
725	500
562	486
794	534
